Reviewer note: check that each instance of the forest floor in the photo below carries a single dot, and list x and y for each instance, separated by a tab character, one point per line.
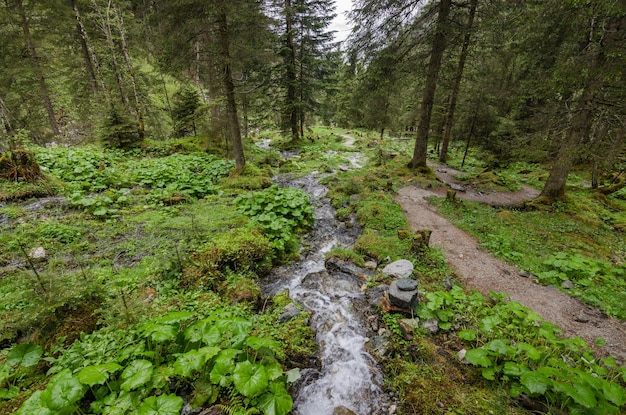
480	270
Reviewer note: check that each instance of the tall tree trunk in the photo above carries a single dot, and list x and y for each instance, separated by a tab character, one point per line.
105	23
39	71
443	154
575	135
290	71
84	45
428	98
131	71
5	121
229	87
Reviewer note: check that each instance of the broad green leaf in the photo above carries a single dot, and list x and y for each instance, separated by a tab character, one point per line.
469	335
489	373
531	351
188	363
583	395
614	393
257	343
161	405
4	373
536	382
34	406
203	331
62	391
25	354
488	323
97	374
220	374
498	346
274	370
101	211
478	357
9	393
136	374
250	379
276	401
159	332
514	369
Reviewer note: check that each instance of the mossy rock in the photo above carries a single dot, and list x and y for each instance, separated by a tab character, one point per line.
237	250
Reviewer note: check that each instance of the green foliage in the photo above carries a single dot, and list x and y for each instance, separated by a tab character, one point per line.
186	102
598	282
215	355
528	354
118	130
237	250
279	212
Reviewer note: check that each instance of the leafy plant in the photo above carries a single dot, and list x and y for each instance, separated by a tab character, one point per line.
279	212
216	356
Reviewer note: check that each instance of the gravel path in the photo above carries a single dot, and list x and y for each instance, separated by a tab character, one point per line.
480	270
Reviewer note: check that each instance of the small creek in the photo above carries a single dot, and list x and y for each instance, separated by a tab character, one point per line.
349	376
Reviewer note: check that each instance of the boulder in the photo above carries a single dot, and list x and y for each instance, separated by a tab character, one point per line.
399	269
406	299
289	312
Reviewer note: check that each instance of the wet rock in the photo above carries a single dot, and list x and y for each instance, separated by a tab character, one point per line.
567	284
408	327
374	295
526	274
342	410
457	187
447	283
406	284
431	325
290	311
336	264
399	269
402	298
379	346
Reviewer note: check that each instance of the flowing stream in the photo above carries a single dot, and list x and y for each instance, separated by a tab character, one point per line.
349	377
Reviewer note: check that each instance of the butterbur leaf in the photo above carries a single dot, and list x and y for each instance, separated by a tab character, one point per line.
203	331
9	393
469	335
159	332
25	354
257	343
489	373
531	351
97	374
274	370
478	357
536	383
276	401
583	395
161	405
614	393
63	390
34	406
188	363
250	379
136	374
498	346
514	369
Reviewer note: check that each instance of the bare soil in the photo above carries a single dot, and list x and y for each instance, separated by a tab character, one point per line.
481	270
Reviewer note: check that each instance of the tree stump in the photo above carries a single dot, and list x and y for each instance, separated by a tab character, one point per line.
421	240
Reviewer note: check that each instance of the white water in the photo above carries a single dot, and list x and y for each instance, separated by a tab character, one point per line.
349	375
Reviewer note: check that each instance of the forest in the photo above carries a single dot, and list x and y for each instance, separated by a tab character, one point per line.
203	205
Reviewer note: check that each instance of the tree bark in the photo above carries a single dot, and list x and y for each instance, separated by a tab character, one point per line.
229	87
106	29
84	45
39	71
131	71
443	154
291	78
428	98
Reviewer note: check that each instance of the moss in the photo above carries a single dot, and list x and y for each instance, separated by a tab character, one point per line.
237	250
379	247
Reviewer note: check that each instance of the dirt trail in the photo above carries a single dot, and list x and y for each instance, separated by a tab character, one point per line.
480	270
